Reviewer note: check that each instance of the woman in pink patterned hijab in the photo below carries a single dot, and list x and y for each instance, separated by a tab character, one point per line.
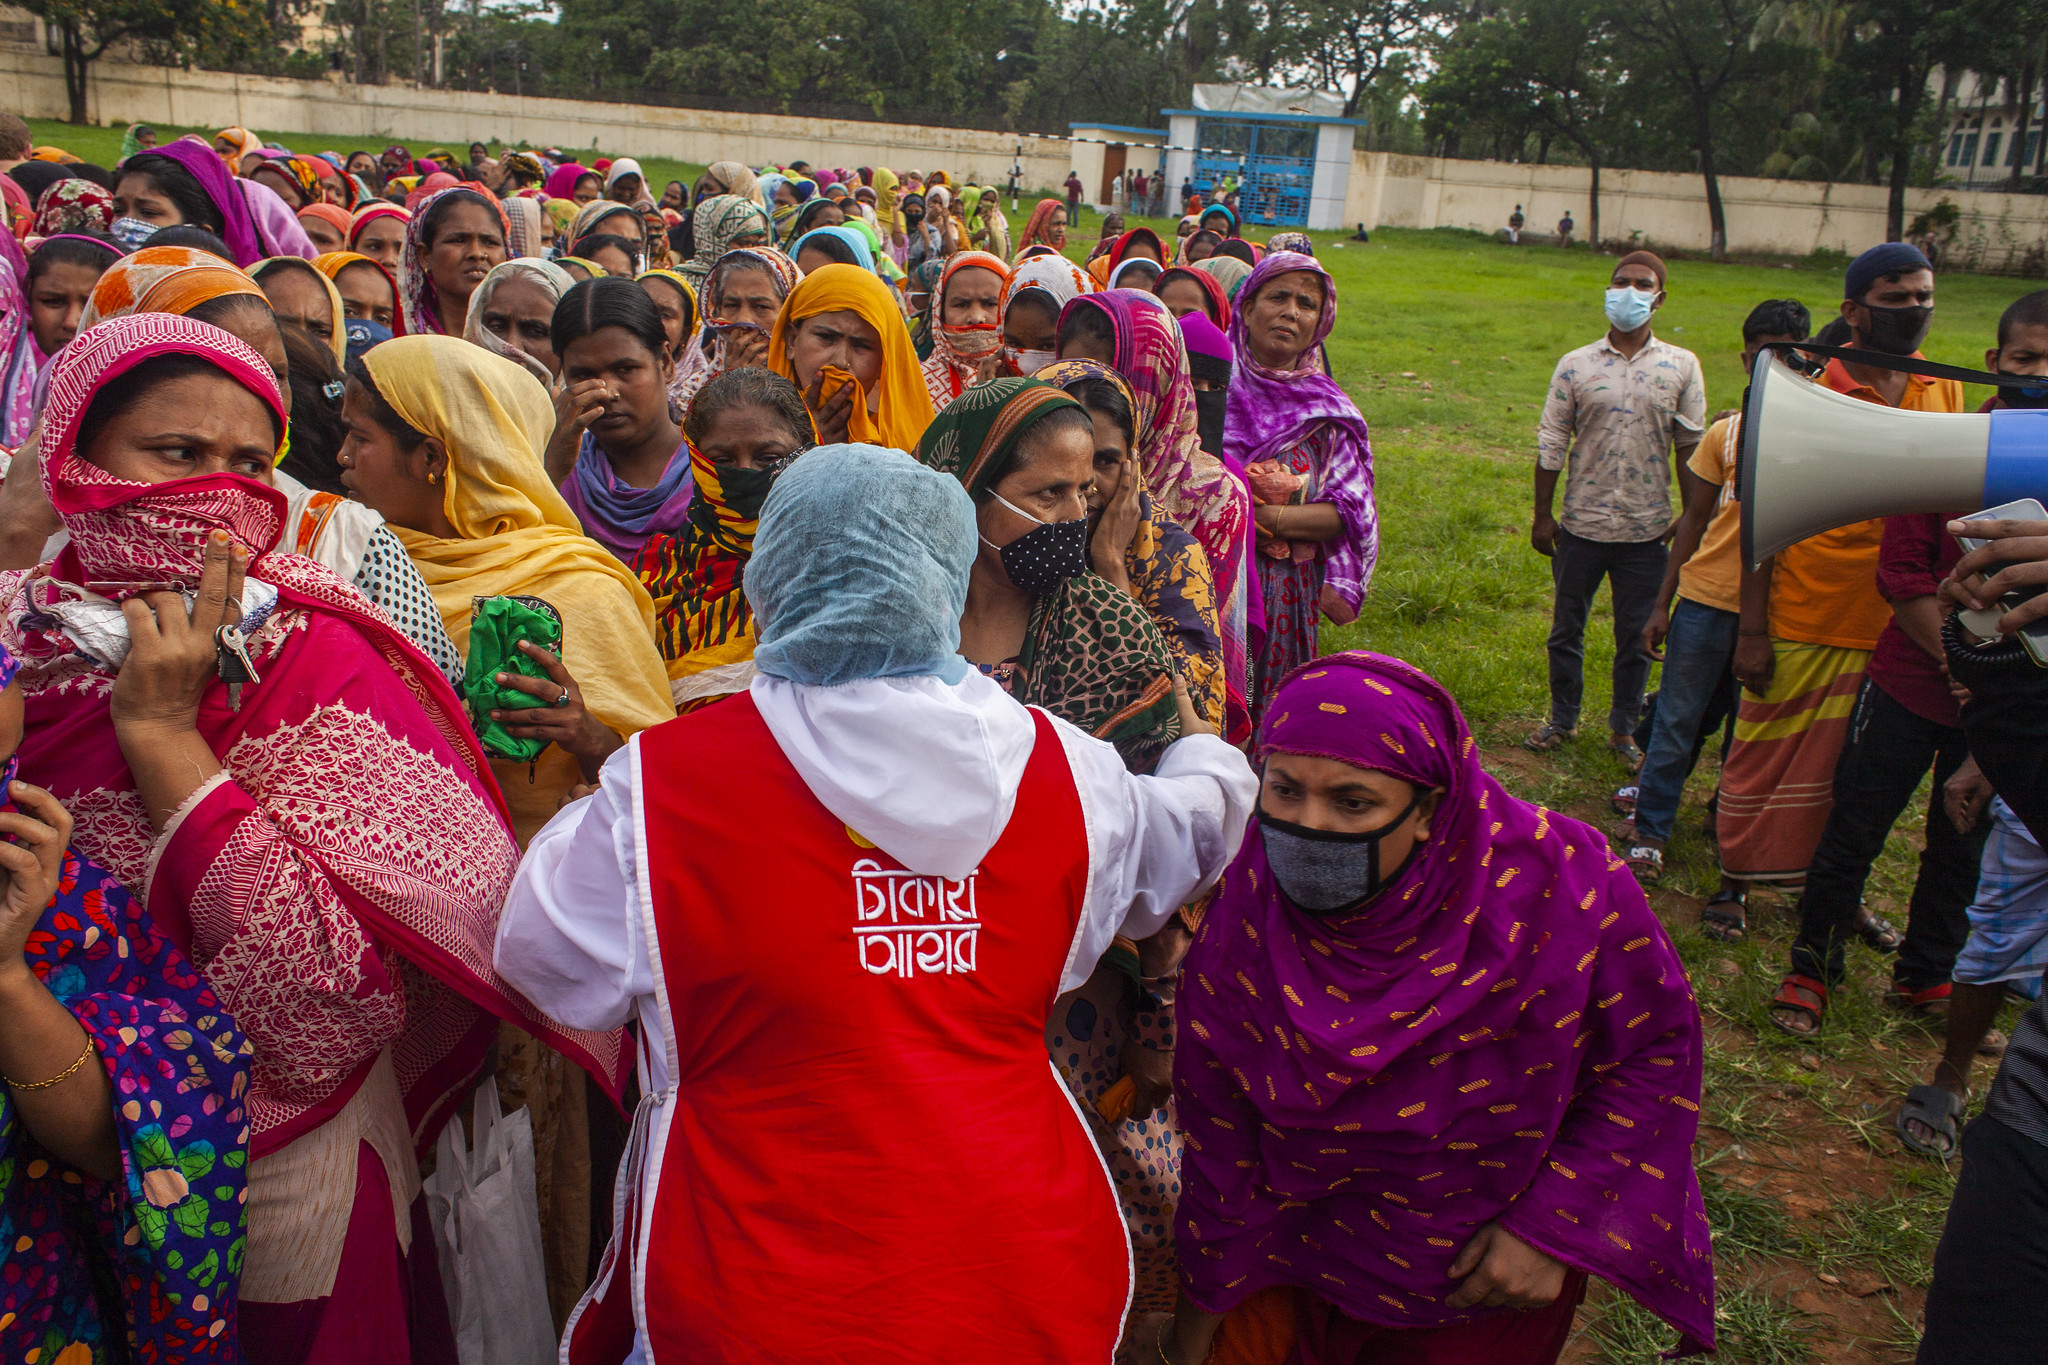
1437	1059
325	843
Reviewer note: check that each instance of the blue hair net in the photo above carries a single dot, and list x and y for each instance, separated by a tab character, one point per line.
860	569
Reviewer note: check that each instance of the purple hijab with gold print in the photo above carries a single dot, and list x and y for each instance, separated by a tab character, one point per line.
1505	1033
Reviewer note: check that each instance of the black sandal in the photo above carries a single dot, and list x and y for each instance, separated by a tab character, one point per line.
1877	931
1936	1108
1721	926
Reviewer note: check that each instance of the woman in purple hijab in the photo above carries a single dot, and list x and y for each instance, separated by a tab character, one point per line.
1437	1061
185	182
1302	447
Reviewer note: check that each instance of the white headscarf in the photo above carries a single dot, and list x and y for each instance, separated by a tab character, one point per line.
549	276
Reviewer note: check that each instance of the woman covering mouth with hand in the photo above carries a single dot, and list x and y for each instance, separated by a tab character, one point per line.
617	453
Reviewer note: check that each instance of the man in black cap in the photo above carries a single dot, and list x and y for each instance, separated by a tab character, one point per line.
1904	719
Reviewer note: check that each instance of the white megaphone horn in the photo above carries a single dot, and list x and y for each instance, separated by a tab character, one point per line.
1813	459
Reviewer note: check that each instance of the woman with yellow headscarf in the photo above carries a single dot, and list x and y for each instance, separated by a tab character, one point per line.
445	440
840	338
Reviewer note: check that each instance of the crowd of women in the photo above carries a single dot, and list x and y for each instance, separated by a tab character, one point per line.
362	507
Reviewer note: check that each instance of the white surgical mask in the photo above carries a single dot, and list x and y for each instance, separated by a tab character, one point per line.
1029	363
1629	309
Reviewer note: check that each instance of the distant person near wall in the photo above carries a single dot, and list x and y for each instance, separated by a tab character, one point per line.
1515	221
1565	226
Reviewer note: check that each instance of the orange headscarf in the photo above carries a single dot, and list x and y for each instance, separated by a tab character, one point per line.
1038	225
902	407
164	279
246	144
334	215
332	263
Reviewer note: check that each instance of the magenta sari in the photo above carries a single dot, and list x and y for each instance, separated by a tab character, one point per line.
339	883
1504	1034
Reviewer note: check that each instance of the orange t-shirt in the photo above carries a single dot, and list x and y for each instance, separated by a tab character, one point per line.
1713	576
1824	589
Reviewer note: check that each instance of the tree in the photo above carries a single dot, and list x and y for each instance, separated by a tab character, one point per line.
1707	51
1348	44
87	28
1895	46
1548	68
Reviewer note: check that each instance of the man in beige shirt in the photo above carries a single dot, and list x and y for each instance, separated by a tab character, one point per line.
1617	408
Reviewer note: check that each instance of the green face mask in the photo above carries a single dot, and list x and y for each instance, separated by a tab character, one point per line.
496	626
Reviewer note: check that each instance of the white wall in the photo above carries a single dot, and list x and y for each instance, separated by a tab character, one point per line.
362	115
1783	217
1332	191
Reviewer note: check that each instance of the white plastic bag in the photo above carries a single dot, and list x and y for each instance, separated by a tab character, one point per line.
486	1217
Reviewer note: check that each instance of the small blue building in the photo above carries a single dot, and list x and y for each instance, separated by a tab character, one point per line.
1289	151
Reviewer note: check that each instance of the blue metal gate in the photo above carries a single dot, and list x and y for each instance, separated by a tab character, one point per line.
1273	163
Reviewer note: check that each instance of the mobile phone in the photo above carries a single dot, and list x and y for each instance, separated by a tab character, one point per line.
2034	637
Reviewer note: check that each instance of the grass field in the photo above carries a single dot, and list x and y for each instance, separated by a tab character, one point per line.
1824	1227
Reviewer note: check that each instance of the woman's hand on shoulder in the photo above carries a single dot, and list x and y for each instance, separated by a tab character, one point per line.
172	658
1500	1270
40	829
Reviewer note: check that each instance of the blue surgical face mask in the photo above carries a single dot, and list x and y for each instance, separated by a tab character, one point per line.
131	233
1629	309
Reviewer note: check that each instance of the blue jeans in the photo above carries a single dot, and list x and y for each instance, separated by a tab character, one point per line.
1696	655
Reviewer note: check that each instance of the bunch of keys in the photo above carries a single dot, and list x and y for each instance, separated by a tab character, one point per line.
232	652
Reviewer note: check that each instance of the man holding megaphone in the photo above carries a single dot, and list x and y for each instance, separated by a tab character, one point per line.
1826	757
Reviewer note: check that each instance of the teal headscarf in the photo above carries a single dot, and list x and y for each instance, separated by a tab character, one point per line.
860	569
859	241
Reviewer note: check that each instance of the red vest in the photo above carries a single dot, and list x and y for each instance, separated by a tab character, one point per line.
868	1157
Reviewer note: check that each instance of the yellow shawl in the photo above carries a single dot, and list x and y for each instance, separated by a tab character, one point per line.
904	408
519	537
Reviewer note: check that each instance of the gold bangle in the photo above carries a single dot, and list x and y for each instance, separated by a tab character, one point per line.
66	1074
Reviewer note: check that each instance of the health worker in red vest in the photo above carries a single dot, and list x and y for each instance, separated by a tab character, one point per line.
841	904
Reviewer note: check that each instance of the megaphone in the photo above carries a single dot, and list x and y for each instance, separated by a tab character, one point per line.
1813	459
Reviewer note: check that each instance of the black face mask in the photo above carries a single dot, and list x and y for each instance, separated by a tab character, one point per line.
1045	556
1323	872
1897	331
2026	398
1209	404
744	490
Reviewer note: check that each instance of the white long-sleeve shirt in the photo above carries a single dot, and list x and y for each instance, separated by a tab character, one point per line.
927	771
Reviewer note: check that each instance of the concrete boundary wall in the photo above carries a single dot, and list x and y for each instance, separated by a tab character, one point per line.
1786	217
1781	217
343	116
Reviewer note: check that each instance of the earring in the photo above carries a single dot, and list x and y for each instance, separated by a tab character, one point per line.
433	478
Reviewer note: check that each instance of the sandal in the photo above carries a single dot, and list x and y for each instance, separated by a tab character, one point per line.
1628	751
1720	925
1931	1003
1548	736
1785	999
1624	800
1647	862
1877	931
1935	1108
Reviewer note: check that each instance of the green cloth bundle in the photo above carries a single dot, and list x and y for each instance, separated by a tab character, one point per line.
496	626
